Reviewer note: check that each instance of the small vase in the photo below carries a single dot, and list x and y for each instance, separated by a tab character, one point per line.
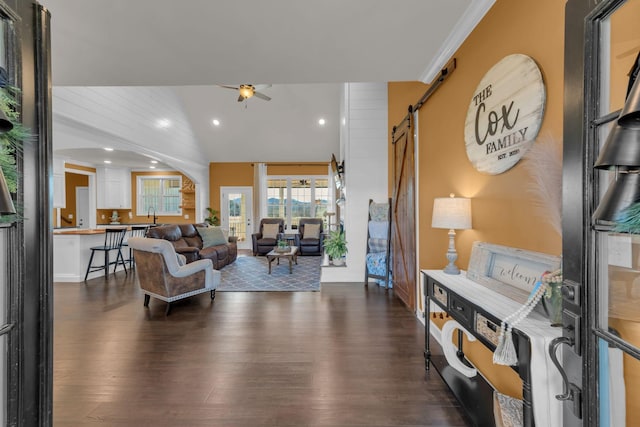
553	303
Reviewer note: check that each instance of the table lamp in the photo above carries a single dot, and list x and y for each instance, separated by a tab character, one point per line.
453	213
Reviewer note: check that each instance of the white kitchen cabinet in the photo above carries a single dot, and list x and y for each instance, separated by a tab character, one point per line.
113	188
59	192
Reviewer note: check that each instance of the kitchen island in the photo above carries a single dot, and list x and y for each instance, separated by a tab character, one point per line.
71	252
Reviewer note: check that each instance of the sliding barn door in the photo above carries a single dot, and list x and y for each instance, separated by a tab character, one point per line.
404	224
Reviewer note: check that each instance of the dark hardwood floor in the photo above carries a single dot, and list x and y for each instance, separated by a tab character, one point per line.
345	356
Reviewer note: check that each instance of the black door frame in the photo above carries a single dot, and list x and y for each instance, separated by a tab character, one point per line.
29	261
580	190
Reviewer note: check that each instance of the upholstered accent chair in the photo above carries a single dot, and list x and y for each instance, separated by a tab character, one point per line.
267	236
310	237
165	275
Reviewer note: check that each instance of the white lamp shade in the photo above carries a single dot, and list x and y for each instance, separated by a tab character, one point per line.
453	213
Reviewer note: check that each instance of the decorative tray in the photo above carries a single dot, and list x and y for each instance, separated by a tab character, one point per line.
282	250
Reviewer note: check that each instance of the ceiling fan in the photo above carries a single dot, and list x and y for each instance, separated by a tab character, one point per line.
246	91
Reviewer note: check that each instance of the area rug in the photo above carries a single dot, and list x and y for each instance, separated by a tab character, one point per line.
249	273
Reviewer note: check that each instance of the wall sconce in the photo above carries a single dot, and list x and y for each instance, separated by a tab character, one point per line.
453	213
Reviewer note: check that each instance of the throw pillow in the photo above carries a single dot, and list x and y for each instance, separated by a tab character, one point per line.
212	236
270	231
182	260
311	231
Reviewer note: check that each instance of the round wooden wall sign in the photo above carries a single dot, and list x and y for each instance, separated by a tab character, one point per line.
505	114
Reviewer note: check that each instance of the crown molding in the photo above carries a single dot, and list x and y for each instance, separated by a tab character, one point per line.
465	25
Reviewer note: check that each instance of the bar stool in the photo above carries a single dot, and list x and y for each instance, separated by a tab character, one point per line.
113	238
136	231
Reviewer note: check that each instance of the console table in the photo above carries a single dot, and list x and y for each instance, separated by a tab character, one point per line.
479	311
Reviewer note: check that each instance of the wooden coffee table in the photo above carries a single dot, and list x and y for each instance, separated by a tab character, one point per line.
291	255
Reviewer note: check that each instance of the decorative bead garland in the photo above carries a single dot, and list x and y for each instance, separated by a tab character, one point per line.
505	353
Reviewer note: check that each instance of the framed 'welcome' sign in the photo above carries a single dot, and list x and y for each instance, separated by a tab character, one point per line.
505	114
511	272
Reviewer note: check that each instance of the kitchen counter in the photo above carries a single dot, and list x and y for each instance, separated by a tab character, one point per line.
80	231
71	253
99	230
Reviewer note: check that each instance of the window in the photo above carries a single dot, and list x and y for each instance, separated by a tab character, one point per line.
277	196
293	198
161	193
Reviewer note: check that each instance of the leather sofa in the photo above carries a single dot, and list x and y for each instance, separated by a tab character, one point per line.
187	241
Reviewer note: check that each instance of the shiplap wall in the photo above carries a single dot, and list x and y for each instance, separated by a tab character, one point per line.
363	142
126	118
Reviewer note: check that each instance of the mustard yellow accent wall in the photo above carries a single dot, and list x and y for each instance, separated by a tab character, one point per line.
227	175
71	181
141	217
503	212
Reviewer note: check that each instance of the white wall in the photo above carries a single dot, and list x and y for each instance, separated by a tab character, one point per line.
364	147
126	118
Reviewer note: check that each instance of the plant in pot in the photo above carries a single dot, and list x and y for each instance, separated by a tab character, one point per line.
212	219
335	245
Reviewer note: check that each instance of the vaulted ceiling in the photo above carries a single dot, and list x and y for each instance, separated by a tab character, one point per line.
305	50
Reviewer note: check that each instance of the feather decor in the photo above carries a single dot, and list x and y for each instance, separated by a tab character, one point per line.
543	161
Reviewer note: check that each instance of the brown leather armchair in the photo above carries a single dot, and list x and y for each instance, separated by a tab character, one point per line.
162	276
310	244
264	244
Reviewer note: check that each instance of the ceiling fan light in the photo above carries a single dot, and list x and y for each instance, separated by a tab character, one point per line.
246	91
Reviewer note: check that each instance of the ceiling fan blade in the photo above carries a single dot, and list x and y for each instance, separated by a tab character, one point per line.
240	98
229	87
261	87
262	96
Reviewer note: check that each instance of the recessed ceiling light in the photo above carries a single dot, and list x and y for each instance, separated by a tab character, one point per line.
216	122
163	123
321	122
108	162
154	161
108	149
152	167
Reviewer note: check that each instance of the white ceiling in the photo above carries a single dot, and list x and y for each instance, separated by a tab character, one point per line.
304	49
124	159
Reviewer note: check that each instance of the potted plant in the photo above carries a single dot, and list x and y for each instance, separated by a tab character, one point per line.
212	219
335	245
